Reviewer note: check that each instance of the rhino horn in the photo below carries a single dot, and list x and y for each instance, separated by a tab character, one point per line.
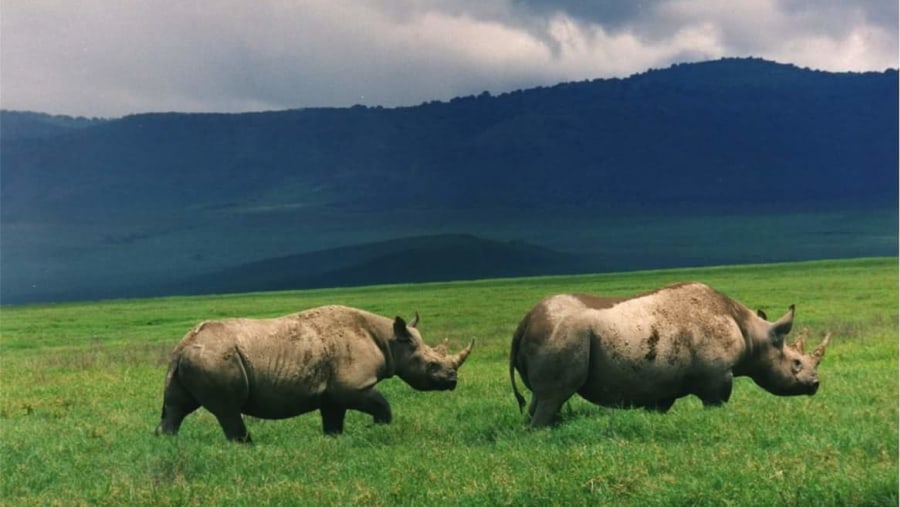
460	358
415	321
799	343
819	353
443	347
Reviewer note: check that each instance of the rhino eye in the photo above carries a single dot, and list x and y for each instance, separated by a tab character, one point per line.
433	367
797	365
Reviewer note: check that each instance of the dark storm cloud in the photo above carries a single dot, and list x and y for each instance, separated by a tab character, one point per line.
611	13
102	58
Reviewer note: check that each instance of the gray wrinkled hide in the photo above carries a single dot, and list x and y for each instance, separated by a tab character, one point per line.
649	350
327	359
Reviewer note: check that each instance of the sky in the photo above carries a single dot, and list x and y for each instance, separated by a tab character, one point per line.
110	58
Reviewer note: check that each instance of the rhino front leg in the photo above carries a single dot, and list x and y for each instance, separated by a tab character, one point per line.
335	406
372	402
716	391
662	406
332	417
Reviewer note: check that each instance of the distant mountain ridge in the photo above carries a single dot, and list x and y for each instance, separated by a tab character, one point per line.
17	125
736	130
117	206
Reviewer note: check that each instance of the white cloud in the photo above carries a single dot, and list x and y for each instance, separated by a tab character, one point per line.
95	57
863	48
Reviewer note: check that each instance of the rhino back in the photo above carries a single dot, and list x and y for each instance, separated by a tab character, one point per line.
651	346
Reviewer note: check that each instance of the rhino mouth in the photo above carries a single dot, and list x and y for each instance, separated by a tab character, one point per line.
447	385
437	385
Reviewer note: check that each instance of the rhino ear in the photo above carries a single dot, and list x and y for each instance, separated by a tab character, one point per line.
782	327
415	321
761	314
400	330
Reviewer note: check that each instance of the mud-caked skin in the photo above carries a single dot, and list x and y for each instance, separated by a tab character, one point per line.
327	359
649	350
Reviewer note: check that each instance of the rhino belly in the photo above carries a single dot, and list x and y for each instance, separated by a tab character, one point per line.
636	385
280	401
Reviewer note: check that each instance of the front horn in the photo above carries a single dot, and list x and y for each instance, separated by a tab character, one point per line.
819	353
460	358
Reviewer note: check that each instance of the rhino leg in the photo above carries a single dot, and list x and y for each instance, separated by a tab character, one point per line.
178	403
554	376
547	410
218	380
233	425
715	392
332	417
661	406
372	402
369	400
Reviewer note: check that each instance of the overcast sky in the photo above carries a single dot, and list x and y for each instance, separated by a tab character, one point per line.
114	57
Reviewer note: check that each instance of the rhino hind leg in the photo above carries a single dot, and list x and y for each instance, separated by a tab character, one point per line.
178	403
546	409
532	407
233	425
552	386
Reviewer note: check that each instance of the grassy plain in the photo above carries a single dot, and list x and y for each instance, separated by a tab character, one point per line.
81	392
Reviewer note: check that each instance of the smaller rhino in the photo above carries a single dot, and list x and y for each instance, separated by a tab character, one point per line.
327	359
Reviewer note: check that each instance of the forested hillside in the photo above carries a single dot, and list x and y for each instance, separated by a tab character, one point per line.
733	136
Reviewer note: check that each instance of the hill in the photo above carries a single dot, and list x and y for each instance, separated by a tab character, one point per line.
19	125
403	260
127	202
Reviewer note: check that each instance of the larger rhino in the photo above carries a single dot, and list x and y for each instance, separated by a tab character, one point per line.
327	359
651	349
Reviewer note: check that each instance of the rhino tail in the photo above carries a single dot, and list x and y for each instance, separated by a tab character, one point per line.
513	354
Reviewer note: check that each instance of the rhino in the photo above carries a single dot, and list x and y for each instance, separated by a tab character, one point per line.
651	349
327	359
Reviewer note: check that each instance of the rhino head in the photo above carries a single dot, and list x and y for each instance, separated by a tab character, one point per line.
423	367
784	369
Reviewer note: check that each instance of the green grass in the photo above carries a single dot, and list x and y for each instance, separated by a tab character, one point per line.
82	383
